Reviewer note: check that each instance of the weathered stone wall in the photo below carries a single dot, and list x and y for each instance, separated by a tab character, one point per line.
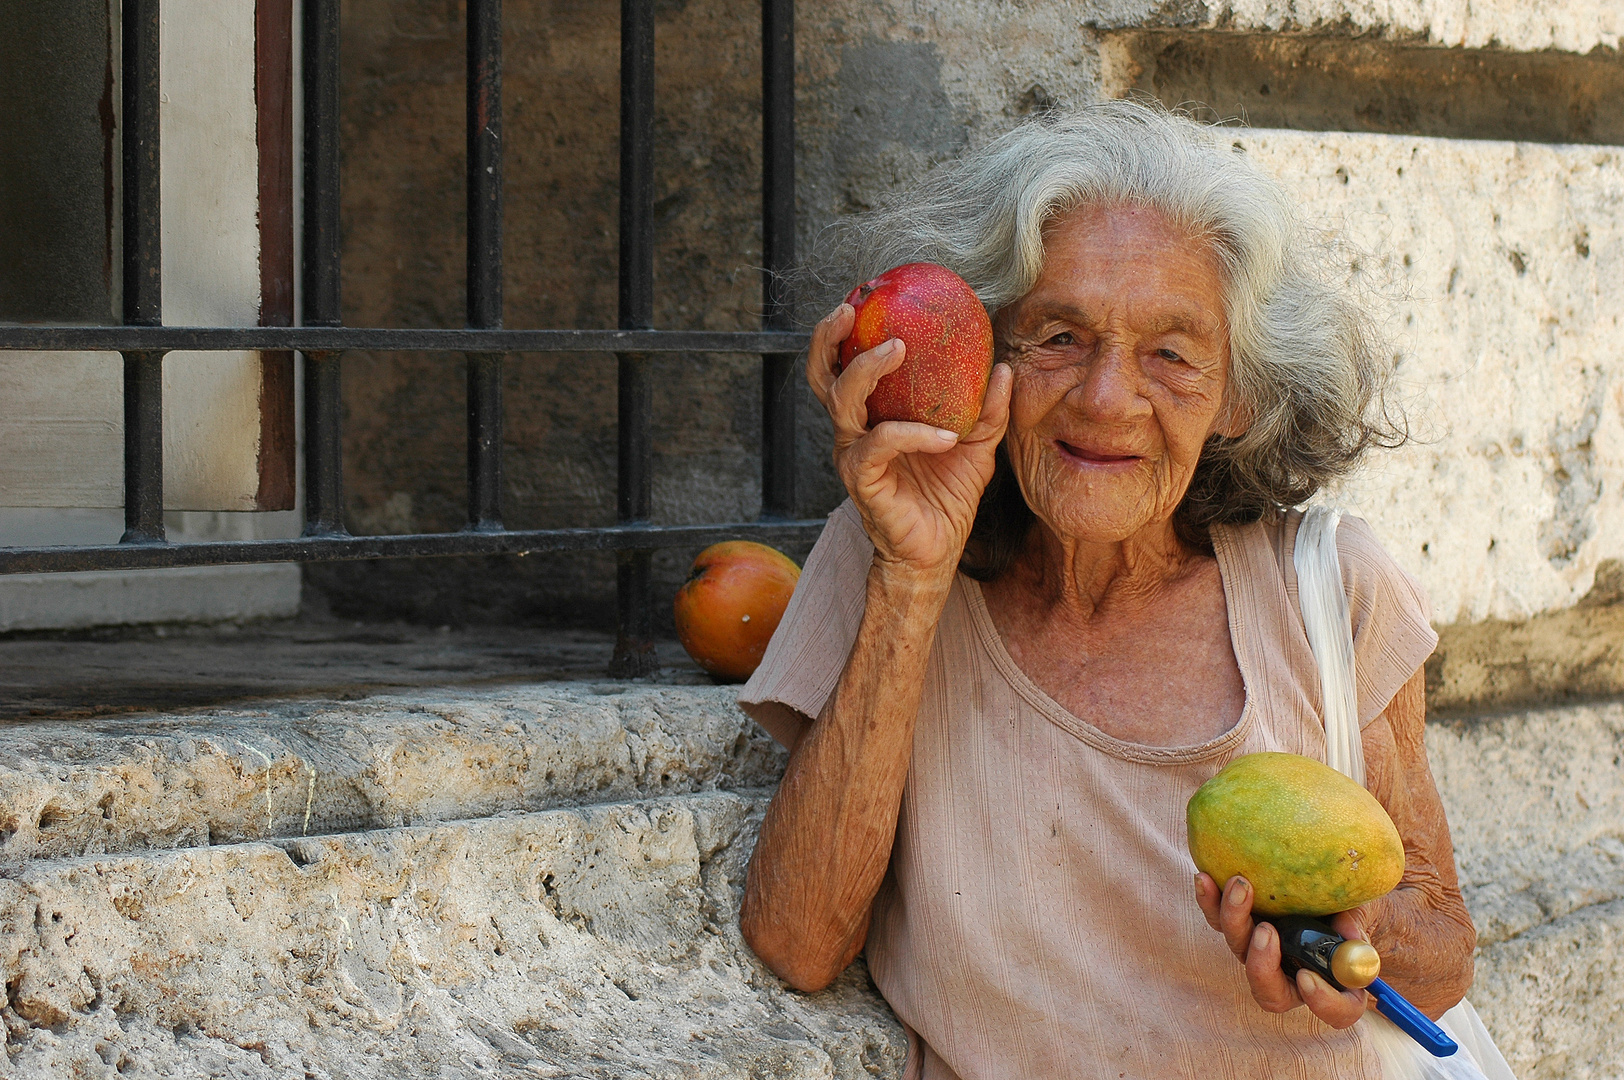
1498	255
545	884
544	880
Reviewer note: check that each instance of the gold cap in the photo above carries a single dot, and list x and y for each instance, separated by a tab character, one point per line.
1355	964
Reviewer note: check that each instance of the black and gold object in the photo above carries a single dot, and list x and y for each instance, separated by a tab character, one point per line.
1312	944
1353	965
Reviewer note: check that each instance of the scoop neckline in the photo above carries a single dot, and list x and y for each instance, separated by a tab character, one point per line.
1069	722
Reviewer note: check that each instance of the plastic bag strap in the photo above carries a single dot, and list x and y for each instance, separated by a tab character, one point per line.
1330	635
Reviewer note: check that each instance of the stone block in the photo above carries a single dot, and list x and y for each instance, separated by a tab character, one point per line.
1536	808
600	942
1495	262
178	594
297	768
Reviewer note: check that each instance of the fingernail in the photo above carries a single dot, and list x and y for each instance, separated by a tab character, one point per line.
1197	880
891	346
946	435
1260	935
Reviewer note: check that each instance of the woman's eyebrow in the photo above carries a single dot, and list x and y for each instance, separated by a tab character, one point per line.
1054	309
1194	322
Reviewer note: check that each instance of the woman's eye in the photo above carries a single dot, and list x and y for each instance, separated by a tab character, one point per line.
1063	338
1170	355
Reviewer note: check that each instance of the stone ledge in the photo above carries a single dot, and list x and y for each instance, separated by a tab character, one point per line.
1550	996
291	768
594	942
1579	26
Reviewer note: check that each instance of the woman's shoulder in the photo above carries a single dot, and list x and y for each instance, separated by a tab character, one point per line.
1387	606
1368	569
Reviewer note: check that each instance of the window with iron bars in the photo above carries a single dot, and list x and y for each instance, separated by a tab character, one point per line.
322	339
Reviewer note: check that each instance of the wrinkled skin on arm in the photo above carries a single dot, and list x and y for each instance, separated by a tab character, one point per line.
826	840
1421	928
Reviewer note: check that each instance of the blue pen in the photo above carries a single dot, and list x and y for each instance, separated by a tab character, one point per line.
1352	965
1411	1020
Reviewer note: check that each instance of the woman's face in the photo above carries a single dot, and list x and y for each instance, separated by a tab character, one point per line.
1121	361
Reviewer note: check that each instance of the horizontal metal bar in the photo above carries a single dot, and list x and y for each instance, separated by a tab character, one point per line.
411	545
338	338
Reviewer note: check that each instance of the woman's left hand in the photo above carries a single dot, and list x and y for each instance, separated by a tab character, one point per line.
1257	946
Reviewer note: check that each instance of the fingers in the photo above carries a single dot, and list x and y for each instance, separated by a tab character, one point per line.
994	407
1235	916
824	352
1207	897
1349	925
864	463
1258	947
1339	1008
848	394
1269	985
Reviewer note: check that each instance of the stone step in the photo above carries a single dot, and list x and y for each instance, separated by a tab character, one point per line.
1535	799
292	768
599	941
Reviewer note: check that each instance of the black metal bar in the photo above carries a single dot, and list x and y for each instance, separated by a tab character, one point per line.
337	338
484	121
636	164
143	448
143	276
336	548
324	445
484	261
778	381
634	643
320	302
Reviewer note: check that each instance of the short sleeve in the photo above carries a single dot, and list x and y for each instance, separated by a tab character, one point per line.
809	649
1392	630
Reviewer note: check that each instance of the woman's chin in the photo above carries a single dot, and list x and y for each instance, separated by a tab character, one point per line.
1100	509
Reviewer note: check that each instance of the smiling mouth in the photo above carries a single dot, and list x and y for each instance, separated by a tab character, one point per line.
1094	457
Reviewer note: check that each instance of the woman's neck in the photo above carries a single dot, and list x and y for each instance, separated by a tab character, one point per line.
1082	579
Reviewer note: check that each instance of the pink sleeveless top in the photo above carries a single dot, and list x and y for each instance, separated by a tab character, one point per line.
1039	917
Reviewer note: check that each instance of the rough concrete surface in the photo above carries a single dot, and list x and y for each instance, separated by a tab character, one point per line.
1497	261
128	670
295	768
599	942
515	903
1326	82
1536	808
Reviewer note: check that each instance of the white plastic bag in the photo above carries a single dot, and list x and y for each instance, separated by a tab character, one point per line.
1330	634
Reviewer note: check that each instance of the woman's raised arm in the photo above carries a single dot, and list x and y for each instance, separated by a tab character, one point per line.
827	837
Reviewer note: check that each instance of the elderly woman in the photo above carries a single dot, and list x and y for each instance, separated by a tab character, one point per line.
1014	656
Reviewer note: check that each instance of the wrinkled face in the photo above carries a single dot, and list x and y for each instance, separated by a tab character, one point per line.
1121	361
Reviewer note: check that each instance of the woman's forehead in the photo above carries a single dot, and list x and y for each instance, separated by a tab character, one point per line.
1102	263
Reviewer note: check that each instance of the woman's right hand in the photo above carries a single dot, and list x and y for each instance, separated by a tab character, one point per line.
917	487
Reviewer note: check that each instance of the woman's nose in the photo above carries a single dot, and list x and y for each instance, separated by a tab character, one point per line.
1112	386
